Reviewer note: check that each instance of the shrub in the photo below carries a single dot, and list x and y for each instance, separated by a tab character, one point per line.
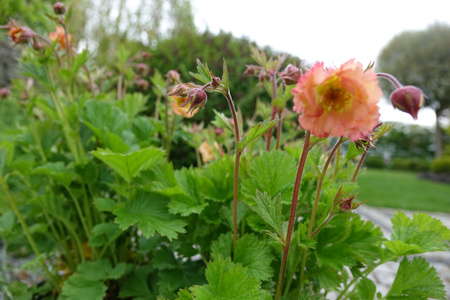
376	162
441	164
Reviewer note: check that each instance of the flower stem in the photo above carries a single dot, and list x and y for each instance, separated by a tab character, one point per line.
279	125
391	79
274	110
24	225
359	165
236	166
316	203
298	179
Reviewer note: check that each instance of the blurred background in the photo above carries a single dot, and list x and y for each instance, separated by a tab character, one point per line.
410	39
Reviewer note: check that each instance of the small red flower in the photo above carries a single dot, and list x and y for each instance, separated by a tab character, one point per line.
59	35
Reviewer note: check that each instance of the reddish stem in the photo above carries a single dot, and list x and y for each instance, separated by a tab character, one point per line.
359	166
298	179
279	130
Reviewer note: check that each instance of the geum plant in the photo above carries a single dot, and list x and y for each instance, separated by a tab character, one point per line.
89	188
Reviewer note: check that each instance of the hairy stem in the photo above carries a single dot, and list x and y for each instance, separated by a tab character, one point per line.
359	165
316	203
236	166
298	179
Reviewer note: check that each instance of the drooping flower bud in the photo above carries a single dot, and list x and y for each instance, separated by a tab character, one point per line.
196	98
37	45
346	203
4	93
143	84
173	76
252	70
183	89
291	74
142	68
21	35
408	99
59	8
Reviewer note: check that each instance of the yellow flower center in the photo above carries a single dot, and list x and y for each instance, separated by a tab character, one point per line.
333	96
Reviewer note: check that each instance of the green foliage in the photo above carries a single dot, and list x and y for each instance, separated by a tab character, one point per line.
150	211
441	164
416	280
227	281
419	235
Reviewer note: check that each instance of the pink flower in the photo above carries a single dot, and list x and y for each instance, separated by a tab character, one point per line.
338	101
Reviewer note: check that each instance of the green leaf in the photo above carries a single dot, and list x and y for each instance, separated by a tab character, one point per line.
136	285
416	280
105	204
228	281
347	240
132	105
225	79
37	72
3	158
218	179
366	289
191	201
56	171
353	151
255	255
131	164
421	234
227	213
273	172
255	132
184	295
250	252
150	211
103	232
102	117
222	121
80	288
79	61
88	282
270	209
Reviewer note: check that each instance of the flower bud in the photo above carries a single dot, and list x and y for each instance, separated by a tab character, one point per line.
252	70
37	45
142	68
4	93
196	98
21	35
143	84
173	76
59	8
291	74
408	99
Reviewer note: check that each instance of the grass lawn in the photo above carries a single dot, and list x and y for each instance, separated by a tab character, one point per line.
399	189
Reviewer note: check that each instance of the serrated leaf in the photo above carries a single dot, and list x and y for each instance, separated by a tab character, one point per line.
191	201
255	255
88	282
131	164
366	289
421	234
103	232
348	240
136	285
250	252
56	171
353	151
218	179
37	72
228	281
80	288
221	121
150	211
255	132
416	280
132	105
102	117
225	80
273	172
270	209
227	213
105	204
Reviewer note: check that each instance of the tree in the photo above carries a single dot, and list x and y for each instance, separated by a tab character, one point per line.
422	58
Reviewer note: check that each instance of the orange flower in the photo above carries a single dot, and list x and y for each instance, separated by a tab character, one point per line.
338	101
59	35
175	103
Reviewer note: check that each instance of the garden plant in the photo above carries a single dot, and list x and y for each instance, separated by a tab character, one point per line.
268	211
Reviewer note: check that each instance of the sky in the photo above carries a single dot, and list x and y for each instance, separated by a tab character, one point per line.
332	31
